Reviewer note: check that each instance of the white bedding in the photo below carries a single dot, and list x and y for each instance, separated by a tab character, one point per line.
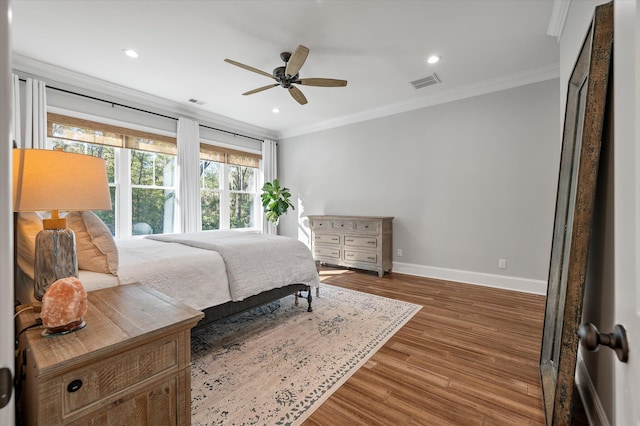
192	276
203	269
254	262
195	277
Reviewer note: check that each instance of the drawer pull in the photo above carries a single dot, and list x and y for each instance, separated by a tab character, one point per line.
350	240
74	386
371	242
371	258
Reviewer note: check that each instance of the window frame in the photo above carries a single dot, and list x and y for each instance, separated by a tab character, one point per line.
224	194
122	168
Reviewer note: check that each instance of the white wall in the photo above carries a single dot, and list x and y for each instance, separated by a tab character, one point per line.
468	182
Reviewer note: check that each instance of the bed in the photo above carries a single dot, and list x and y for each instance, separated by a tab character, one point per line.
218	272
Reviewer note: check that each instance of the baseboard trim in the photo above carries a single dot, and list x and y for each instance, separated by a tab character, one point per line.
593	408
525	285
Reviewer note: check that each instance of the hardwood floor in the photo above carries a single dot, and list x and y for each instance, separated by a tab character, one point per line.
469	357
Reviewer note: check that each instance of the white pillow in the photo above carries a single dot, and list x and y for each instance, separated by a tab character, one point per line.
95	247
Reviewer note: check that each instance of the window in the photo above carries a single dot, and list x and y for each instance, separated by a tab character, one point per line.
228	188
143	191
153	192
242	196
141	168
210	178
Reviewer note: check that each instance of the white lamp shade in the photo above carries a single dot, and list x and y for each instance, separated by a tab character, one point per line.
56	180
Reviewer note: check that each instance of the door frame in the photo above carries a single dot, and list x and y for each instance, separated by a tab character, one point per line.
7	333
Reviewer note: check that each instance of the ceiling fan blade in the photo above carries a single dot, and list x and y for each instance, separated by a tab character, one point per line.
260	89
297	95
248	68
322	82
297	60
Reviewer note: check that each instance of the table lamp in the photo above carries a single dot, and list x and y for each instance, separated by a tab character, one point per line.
54	181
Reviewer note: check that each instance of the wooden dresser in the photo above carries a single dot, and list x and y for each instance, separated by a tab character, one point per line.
129	365
362	242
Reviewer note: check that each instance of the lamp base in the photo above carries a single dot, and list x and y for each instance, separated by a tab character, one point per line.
55	258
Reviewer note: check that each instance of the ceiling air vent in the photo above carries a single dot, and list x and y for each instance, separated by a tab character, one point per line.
197	102
427	81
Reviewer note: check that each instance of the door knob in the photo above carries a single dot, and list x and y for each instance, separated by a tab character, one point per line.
592	339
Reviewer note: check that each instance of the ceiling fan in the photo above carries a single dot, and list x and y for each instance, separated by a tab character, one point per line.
288	75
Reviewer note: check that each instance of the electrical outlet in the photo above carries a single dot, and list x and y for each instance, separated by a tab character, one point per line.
502	263
399	252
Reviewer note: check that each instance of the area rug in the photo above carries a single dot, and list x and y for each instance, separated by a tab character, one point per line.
276	364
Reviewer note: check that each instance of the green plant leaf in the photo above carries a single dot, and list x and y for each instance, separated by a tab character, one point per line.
275	200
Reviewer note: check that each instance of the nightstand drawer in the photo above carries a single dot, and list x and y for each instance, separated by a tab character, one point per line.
357	256
161	401
95	382
326	238
371	242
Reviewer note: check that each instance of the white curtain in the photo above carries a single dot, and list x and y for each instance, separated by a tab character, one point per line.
16	130
35	123
270	172
189	216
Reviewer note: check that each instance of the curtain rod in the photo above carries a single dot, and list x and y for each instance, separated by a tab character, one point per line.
142	110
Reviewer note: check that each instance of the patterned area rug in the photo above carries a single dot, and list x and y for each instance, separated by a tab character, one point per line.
276	364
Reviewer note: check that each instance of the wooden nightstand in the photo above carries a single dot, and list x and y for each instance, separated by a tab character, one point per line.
131	364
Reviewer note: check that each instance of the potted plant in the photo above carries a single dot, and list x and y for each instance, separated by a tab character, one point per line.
275	200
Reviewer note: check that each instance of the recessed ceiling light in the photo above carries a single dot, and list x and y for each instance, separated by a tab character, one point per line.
433	59
275	110
130	53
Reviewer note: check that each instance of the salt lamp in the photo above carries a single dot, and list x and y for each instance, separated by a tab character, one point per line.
63	305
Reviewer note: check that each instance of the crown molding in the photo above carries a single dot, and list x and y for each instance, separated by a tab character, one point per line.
71	80
558	18
488	86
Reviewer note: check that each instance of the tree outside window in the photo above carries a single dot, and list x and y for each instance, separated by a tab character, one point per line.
152	192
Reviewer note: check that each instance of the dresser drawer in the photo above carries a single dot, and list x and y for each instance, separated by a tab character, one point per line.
326	238
95	382
332	253
372	226
356	256
371	242
319	224
342	225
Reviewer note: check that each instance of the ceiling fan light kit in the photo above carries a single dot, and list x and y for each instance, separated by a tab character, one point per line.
288	75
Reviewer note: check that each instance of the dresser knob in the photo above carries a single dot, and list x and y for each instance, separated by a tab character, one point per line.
74	386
